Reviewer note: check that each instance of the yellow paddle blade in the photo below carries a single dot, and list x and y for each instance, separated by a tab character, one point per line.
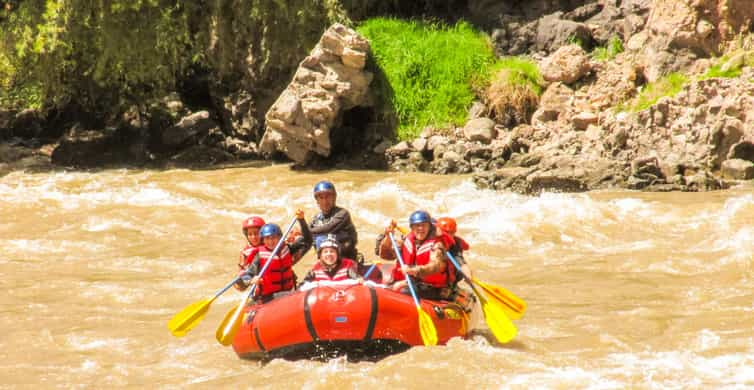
189	317
229	326
512	305
427	327
500	325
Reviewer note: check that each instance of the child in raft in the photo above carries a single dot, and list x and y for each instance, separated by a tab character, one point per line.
279	276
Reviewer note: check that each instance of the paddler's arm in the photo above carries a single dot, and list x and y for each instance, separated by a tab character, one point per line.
253	268
437	262
302	244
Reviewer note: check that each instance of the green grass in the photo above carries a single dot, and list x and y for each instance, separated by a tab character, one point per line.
668	85
521	71
428	70
716	69
613	48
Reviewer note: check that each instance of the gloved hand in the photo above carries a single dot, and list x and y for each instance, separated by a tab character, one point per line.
299	214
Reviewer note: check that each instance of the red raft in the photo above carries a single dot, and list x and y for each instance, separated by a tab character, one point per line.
329	319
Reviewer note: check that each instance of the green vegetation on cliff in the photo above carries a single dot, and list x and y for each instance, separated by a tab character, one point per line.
728	66
102	56
429	69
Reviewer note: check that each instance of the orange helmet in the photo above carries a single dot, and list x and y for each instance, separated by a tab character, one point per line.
446	224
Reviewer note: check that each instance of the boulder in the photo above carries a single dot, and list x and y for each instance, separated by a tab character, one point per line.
554	32
583	120
187	127
567	64
328	82
480	129
738	169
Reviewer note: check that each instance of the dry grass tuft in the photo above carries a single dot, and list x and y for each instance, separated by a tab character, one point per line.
510	101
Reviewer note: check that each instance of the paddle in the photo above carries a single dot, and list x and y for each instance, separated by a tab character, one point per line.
194	313
512	305
232	321
494	315
426	326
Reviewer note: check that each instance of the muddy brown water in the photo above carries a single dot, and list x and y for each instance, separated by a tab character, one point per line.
625	289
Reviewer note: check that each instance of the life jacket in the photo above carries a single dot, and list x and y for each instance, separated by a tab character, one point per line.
421	256
248	254
320	274
279	275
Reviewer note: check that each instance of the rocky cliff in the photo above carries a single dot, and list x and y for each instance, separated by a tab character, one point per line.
277	73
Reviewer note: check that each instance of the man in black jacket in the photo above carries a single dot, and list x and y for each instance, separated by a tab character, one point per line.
334	220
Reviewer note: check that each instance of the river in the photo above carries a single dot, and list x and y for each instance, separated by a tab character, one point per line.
624	289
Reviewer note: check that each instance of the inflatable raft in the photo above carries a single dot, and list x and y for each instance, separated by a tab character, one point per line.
327	319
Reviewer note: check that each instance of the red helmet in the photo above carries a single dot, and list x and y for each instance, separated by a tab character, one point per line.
446	224
255	221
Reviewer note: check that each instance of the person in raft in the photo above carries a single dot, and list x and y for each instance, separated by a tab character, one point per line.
279	276
336	220
448	226
250	228
333	220
331	266
423	253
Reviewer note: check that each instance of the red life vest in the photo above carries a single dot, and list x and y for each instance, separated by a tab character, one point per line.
421	256
247	255
341	274
279	275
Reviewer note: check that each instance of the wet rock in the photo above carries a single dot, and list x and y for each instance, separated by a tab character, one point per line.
82	148
560	180
401	149
480	129
478	151
436	140
239	148
200	155
419	144
738	169
189	126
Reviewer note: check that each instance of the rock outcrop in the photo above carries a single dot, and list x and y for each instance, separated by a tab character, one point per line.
329	81
678	33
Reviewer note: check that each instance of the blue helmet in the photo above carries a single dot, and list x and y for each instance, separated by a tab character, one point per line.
324	186
270	229
419	216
